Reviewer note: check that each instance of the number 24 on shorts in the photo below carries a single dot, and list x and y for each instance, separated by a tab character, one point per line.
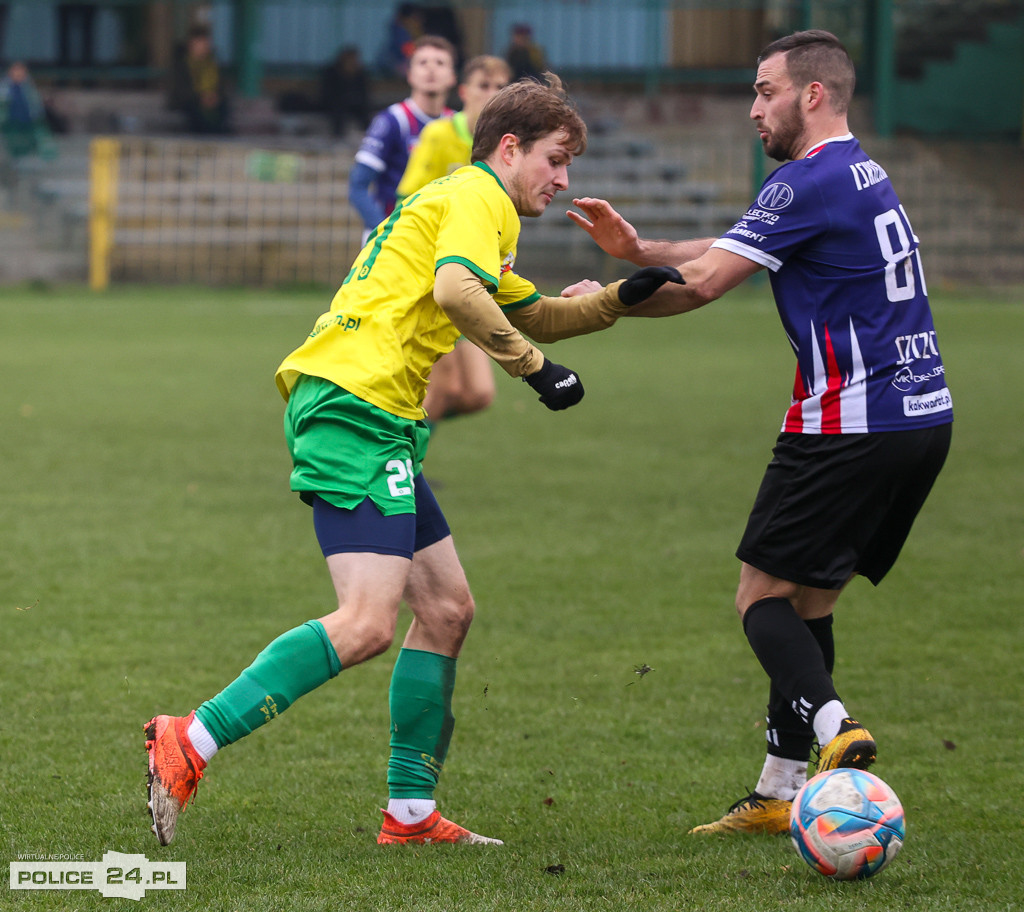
400	477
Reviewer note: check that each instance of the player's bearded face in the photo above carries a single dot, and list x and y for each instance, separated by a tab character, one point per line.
783	136
776	110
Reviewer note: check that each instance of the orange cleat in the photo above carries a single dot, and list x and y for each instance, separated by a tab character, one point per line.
434	829
174	771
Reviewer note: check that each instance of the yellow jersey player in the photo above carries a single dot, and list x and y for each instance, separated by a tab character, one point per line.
462	382
440	264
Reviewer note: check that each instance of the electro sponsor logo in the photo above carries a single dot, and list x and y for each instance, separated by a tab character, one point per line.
759	215
775	196
567	382
940	401
916	346
867	174
905	379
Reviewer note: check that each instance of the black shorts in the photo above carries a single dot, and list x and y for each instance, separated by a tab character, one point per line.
831	505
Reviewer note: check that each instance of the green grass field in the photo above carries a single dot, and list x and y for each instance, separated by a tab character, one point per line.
151	547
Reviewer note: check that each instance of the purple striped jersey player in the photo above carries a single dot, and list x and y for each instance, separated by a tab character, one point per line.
869	423
852	297
384	151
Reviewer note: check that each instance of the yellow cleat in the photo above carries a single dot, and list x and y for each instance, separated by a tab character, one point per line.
852	748
435	829
753	814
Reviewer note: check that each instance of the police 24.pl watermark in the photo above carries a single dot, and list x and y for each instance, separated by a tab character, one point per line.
117	874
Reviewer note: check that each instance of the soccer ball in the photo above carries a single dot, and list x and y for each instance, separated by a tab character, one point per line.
847	824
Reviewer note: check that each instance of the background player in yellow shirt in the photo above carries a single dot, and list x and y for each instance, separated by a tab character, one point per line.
441	264
462	382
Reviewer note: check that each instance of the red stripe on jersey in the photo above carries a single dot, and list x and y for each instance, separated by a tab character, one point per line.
794	422
412	119
831	411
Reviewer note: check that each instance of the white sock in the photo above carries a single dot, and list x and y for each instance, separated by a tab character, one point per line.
411	810
827	721
201	739
781	778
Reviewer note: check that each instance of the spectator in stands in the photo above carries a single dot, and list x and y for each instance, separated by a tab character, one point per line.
21	102
440	19
404	28
524	55
198	86
23	114
345	91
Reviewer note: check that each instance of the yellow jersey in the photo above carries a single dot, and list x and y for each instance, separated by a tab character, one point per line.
444	146
384	330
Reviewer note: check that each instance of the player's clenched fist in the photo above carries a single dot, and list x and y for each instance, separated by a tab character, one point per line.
557	386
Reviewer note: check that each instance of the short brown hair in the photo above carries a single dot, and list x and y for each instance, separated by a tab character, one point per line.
817	56
530	110
436	41
488	65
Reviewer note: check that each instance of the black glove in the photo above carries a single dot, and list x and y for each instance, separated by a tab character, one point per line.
644	282
558	386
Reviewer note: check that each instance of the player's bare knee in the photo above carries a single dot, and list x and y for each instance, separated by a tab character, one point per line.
456	615
356	639
459	611
379	641
742	601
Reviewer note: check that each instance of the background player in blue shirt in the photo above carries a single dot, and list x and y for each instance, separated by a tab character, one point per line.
868	427
384	152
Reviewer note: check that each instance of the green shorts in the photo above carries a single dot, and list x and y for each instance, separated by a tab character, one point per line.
344	449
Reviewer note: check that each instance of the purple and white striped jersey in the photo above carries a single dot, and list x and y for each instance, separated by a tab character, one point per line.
387	143
846	275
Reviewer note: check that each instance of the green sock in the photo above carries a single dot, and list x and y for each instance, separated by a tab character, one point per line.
292	665
421	722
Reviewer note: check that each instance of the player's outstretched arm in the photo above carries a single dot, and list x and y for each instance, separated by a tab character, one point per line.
588	306
462	296
618	238
707	278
